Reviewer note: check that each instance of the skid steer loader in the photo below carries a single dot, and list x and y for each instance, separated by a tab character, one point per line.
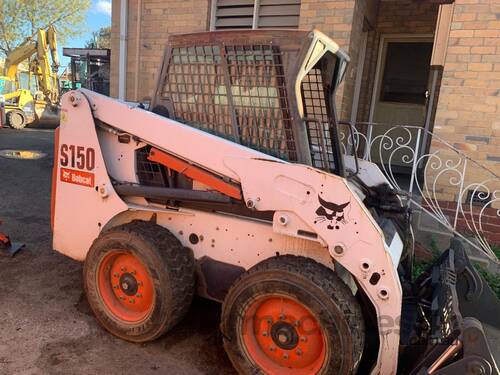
235	187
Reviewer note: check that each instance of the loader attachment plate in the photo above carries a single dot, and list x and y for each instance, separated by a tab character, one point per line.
455	344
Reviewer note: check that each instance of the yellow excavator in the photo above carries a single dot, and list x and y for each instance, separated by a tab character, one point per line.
24	102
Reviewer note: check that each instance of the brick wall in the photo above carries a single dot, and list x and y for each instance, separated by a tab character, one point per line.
159	20
334	18
468	113
115	47
365	12
343	22
468	110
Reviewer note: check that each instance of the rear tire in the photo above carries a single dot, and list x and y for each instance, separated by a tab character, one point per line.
16	119
139	280
292	315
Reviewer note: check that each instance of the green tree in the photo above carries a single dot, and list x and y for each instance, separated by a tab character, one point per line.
100	38
22	18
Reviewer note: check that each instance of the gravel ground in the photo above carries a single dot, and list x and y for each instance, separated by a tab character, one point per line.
46	326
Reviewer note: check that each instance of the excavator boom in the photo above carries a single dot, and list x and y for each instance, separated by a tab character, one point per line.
38	49
41	52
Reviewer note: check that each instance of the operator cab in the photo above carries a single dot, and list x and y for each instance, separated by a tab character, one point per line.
270	90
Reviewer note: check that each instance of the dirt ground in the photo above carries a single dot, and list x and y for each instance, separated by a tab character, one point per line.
46	326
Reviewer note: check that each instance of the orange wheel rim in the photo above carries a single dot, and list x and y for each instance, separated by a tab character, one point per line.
125	286
283	337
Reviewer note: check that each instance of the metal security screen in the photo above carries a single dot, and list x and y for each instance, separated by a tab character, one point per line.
234	91
149	173
317	120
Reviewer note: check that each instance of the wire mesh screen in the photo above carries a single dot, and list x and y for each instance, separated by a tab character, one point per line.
317	120
149	173
234	91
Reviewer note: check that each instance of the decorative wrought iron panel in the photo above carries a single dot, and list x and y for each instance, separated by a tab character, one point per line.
234	91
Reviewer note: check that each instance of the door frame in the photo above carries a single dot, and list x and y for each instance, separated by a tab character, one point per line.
384	38
381	58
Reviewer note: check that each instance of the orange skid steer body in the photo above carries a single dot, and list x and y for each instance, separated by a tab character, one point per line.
235	187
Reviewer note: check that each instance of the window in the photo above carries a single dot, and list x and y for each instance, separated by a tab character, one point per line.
255	14
6	86
24	80
406	72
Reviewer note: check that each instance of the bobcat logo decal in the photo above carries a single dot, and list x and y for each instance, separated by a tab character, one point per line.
332	213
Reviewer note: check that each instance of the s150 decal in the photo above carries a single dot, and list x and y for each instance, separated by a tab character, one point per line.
77	157
77	162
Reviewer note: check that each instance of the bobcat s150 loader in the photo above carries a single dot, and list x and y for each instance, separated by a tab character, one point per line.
234	187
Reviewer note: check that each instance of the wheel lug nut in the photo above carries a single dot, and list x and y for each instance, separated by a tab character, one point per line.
298	352
133	272
303	339
122	298
272	348
115	286
285	356
123	269
138	295
116	275
132	300
264	334
270	321
282	317
297	323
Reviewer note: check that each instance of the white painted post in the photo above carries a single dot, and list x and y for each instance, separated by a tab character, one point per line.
368	147
415	158
459	198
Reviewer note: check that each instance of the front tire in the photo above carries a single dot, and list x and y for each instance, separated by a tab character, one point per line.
16	119
139	280
292	315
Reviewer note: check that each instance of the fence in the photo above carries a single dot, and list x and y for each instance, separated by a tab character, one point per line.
455	190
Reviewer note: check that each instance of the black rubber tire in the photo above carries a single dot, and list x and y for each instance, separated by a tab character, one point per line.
13	121
316	287
170	265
